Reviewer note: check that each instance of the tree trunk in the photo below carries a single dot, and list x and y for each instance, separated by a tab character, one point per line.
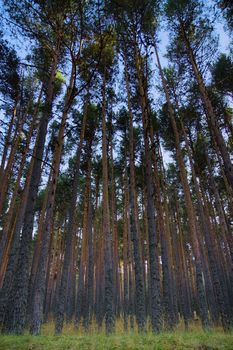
15	316
211	116
108	251
39	285
135	236
7	236
189	206
212	253
156	317
60	307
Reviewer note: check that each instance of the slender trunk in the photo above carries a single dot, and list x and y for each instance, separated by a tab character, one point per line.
6	236
135	236
189	206
39	286
165	244
114	230
60	307
89	249
7	140
209	242
156	317
125	254
211	116
108	252
9	167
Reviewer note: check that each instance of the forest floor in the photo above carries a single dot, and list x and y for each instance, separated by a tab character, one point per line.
195	339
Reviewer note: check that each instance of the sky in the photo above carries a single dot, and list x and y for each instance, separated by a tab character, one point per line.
22	47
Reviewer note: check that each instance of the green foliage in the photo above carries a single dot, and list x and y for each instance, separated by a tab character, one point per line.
165	129
223	74
40	19
199	154
40	199
135	18
41	57
99	53
9	71
63	193
189	20
60	77
59	82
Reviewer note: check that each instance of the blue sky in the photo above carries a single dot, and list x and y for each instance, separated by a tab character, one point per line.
22	47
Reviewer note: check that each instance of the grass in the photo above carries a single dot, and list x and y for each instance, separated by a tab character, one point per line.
178	340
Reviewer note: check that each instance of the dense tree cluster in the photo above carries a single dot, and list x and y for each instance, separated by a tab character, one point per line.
116	197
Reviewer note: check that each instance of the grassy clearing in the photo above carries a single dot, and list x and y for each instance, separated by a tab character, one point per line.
197	340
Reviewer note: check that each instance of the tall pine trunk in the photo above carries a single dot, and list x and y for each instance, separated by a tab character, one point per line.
15	315
135	232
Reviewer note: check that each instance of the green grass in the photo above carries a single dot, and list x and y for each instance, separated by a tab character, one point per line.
179	340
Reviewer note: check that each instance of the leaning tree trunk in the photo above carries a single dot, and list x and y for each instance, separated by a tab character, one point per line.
7	140
211	249
211	116
11	158
7	235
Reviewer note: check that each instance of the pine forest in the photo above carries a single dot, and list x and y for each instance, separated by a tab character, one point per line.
116	172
